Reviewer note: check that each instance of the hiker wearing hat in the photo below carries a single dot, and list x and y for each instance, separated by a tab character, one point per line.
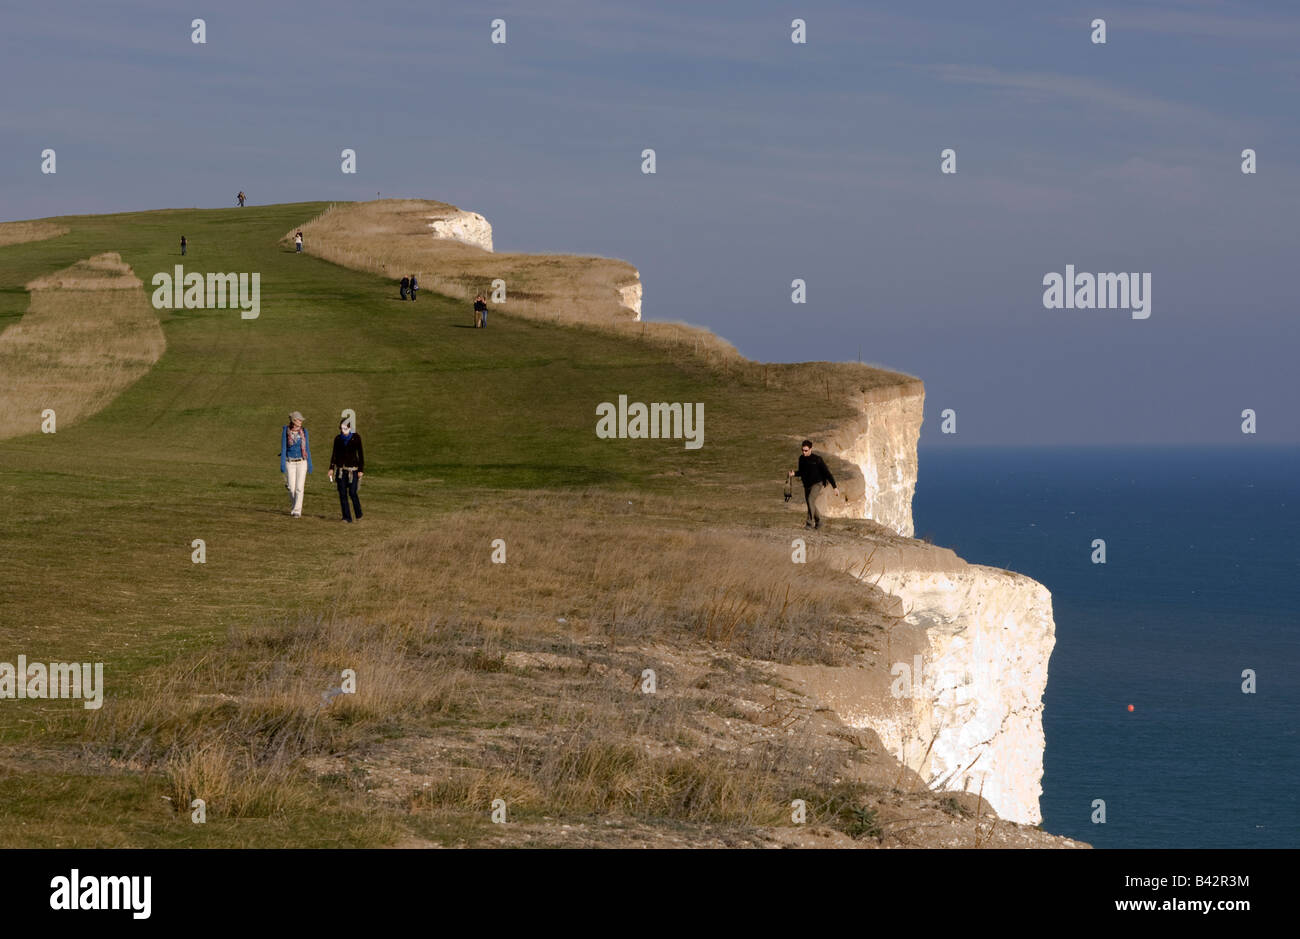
295	460
347	466
815	475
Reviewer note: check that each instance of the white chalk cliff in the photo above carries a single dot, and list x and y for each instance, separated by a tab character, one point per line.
972	719
880	443
629	295
466	227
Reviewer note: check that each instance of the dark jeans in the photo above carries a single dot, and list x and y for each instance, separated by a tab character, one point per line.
403	293
810	495
413	290
182	249
347	481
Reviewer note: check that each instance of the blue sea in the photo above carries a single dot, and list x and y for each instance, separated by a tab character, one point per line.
1201	582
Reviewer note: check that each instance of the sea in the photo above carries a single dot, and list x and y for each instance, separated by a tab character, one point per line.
1193	620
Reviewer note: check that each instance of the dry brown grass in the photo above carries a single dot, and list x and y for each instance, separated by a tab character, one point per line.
738	590
16	233
233	727
437	636
87	335
102	272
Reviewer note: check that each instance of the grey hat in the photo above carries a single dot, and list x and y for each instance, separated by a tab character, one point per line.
295	416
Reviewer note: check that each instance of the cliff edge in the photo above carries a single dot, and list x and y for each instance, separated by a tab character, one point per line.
961	702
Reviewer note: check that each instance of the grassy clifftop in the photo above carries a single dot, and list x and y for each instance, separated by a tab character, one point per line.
476	680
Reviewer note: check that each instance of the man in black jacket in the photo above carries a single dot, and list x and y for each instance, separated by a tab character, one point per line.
815	475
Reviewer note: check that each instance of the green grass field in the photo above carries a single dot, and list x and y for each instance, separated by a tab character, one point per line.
98	518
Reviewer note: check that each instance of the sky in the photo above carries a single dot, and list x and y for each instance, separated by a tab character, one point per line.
774	161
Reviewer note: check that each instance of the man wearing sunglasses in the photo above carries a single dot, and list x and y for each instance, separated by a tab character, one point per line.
815	475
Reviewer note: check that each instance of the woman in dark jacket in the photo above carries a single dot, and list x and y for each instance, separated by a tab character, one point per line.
347	466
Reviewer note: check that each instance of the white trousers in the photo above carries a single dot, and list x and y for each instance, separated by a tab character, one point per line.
295	479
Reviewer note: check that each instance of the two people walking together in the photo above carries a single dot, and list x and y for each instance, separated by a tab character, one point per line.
347	465
409	286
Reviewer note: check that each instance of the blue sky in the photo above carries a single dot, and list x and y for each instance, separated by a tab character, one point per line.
775	161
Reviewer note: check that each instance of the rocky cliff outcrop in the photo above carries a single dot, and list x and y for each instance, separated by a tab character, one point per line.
468	228
970	716
879	443
629	295
958	696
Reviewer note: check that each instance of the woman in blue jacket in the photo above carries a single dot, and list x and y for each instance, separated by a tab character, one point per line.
295	461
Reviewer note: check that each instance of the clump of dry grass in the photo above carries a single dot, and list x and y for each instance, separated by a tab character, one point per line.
16	233
233	727
231	782
88	334
602	775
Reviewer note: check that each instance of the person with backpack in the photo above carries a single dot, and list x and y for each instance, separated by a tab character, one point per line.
480	311
295	460
815	475
347	466
240	197
415	285
406	285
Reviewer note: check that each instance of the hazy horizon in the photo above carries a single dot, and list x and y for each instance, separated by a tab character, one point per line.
775	161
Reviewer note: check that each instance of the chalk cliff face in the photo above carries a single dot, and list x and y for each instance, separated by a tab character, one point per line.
466	227
972	717
629	295
881	444
980	694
